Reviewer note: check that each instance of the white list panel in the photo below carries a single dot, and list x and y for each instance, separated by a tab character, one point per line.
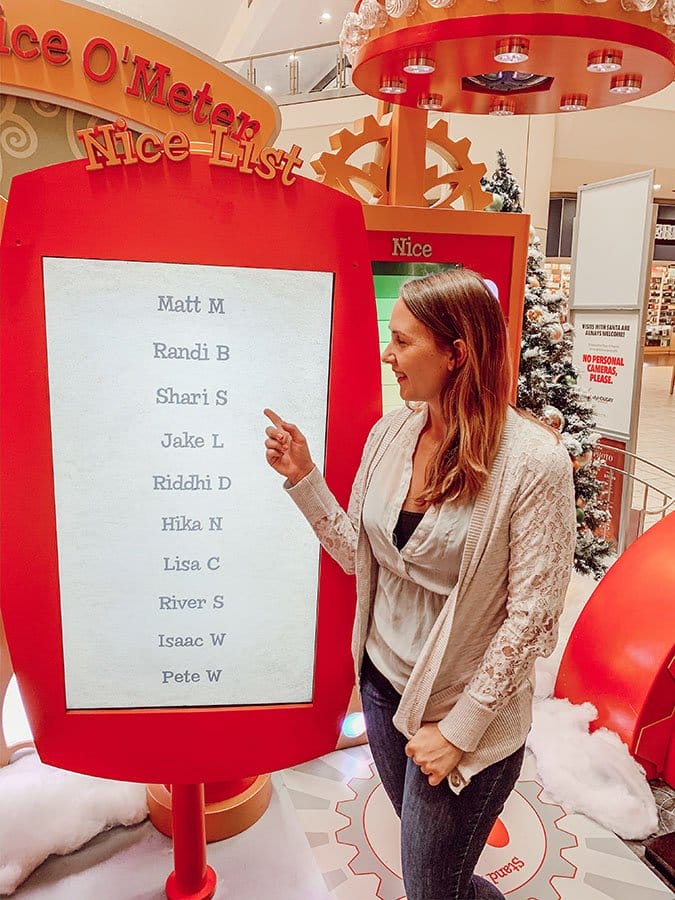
187	578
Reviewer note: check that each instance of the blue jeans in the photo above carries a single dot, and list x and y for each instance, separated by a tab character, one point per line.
442	834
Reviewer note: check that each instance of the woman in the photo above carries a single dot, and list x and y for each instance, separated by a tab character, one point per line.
461	533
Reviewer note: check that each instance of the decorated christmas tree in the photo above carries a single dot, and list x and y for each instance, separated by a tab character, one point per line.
548	385
503	186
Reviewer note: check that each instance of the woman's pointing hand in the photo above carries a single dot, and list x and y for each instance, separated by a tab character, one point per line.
287	451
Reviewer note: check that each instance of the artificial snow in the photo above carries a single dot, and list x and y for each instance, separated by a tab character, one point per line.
44	810
587	773
593	774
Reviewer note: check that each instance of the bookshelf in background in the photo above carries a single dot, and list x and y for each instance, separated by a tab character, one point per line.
558	272
660	327
659	332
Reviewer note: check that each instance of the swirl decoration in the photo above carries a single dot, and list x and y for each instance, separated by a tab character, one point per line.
667	11
439	4
18	138
45	109
399	8
374	15
353	35
353	30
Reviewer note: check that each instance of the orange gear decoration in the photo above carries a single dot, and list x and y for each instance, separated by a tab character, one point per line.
463	181
334	169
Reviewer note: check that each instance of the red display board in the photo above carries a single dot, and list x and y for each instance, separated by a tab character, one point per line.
492	244
118	381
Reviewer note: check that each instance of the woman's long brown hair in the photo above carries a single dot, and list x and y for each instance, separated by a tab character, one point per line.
458	304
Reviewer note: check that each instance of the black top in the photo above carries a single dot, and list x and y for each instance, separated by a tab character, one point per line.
407	523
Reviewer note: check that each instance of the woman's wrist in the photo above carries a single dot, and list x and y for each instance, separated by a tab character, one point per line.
298	476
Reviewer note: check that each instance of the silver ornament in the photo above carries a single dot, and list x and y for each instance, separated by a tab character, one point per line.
353	33
639	5
555	332
668	12
373	14
553	417
399	8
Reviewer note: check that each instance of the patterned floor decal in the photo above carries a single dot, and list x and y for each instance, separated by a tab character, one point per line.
535	852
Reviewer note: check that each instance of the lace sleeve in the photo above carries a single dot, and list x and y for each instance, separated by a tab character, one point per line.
336	529
541	551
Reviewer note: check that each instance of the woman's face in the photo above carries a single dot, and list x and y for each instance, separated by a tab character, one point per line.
420	367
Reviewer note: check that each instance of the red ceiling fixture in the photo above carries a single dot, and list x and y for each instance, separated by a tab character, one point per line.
512	50
419	64
537	53
626	84
605	60
430	101
393	86
573	102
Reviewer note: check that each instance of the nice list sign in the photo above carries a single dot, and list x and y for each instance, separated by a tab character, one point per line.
182	599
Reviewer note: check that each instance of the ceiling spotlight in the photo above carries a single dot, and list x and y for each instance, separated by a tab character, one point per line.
430	101
393	86
512	50
292	57
657	187
326	17
573	102
605	60
419	65
502	106
268	88
626	84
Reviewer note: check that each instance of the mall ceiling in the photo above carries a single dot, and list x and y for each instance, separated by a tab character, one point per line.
229	29
232	29
238	29
235	29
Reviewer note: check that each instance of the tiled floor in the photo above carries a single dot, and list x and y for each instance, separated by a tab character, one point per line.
536	852
330	834
664	796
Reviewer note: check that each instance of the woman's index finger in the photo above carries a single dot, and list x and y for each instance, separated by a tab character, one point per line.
276	420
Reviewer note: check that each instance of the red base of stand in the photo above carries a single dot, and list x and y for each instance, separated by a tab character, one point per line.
191	878
174	892
230	807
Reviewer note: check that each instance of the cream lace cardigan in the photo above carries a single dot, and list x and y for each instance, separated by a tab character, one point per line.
503	612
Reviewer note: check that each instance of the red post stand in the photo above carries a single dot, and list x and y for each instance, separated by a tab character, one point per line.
191	878
230	807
